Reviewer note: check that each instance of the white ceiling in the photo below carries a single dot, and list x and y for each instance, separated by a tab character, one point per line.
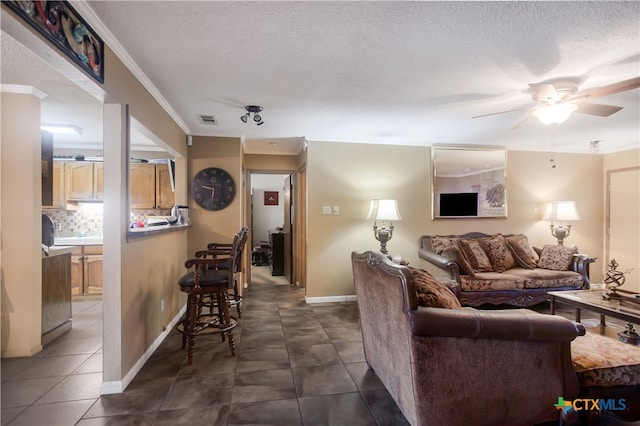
393	72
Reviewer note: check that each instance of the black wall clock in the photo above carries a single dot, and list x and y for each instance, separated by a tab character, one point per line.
213	188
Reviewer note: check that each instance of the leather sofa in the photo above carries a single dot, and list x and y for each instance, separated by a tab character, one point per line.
460	366
511	274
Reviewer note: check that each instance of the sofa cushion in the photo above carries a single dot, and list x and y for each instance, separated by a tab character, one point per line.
431	292
455	254
475	254
547	278
556	257
499	254
603	361
483	281
524	255
440	243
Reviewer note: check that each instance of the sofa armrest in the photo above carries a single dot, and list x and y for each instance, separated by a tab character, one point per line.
440	266
502	325
581	264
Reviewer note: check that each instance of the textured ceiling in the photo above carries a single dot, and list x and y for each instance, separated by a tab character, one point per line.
380	72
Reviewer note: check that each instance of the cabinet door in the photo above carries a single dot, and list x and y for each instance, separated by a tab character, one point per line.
165	197
142	190
98	181
93	274
78	181
58	186
77	274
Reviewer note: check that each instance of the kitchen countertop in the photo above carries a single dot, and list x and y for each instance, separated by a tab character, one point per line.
56	250
77	241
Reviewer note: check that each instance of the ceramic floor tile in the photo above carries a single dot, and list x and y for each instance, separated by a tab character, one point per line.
20	393
312	355
341	409
91	365
363	376
8	414
121	420
350	351
139	397
324	380
214	415
53	366
199	391
74	387
269	358
251	386
267	413
384	408
305	336
14	366
58	414
344	334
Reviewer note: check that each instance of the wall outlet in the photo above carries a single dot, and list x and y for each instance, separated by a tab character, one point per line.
326	209
336	210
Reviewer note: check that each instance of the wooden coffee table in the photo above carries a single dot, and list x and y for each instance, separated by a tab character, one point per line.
625	307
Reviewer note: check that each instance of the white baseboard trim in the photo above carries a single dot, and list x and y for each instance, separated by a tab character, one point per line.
119	386
330	299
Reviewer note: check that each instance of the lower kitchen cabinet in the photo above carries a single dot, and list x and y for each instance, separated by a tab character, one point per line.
86	270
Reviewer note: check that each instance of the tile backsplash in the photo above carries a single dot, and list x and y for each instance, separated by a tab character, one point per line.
88	219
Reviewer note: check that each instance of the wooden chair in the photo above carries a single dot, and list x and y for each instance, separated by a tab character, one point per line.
220	250
207	286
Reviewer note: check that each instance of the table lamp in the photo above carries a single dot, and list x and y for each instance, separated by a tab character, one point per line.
383	210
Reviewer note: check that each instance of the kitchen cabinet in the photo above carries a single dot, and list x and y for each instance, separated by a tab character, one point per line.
83	180
59	201
165	197
86	270
150	187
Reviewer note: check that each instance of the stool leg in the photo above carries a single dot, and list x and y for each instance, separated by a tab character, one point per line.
224	307
193	322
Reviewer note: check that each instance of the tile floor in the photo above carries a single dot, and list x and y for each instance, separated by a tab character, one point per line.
296	364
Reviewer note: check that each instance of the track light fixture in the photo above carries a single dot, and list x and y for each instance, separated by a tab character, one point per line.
253	109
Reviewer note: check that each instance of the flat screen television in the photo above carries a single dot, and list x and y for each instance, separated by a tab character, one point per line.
459	204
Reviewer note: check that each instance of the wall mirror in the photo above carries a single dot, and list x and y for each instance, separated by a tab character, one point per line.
469	182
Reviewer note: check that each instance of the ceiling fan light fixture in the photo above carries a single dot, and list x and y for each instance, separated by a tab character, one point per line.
555	113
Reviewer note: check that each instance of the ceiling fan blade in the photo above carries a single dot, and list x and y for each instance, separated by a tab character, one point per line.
525	121
621	86
600	110
545	92
503	112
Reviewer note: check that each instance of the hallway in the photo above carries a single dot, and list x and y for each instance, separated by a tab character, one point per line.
296	363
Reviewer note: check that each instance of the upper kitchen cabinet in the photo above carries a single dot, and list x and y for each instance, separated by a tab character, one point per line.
165	197
83	181
59	201
150	187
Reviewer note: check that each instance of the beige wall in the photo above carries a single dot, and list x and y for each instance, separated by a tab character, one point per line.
20	252
215	226
349	175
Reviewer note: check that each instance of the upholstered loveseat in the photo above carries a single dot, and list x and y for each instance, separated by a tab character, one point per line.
459	366
503	269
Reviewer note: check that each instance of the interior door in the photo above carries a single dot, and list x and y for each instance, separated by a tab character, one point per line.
623	227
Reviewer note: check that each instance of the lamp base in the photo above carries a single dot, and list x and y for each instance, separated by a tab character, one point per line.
383	235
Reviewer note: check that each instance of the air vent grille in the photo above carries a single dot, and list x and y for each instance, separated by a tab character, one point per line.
208	119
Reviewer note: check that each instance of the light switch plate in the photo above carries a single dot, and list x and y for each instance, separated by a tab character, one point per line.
326	209
336	210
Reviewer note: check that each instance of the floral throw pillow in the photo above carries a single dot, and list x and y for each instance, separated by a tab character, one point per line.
556	258
440	243
475	254
496	248
431	292
522	252
455	254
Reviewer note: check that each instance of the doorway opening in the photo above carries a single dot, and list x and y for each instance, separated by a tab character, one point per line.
271	220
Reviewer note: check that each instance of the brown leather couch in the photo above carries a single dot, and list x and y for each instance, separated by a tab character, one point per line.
460	366
516	286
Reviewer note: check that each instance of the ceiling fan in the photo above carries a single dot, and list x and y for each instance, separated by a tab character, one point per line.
556	101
